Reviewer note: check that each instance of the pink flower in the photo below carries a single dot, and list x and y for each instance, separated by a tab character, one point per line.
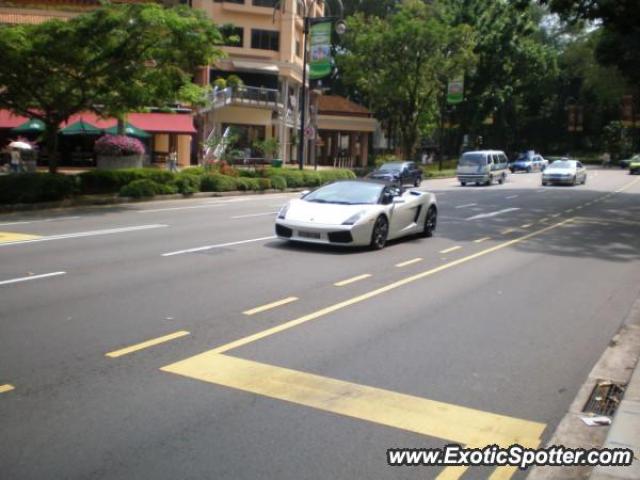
118	145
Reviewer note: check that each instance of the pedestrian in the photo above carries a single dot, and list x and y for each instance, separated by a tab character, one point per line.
16	161
606	159
173	161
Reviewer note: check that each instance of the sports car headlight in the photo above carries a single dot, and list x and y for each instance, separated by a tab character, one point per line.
282	213
354	218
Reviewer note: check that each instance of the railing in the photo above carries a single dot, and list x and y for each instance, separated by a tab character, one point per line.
256	96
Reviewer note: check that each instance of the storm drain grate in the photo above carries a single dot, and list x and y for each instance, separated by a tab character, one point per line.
605	398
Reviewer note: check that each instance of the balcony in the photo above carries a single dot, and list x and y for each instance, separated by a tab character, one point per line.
245	96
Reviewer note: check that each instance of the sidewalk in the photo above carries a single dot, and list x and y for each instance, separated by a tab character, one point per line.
618	364
625	430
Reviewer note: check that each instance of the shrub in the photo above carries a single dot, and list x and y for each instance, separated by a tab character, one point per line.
386	158
311	179
217	183
294	178
244	183
36	187
111	181
336	174
193	171
187	183
118	145
248	173
225	169
140	188
278	182
263	183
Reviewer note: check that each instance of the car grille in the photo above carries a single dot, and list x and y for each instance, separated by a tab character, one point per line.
283	231
340	237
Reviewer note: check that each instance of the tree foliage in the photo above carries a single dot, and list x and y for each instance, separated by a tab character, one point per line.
400	64
116	59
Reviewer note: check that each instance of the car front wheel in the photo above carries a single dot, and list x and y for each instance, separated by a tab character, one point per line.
380	233
430	222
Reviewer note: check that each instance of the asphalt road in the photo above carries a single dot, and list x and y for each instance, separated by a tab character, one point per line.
482	334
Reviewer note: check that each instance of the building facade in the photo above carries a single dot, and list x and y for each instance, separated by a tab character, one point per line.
268	60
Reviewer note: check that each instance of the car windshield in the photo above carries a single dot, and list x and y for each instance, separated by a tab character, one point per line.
391	167
562	164
347	193
471	159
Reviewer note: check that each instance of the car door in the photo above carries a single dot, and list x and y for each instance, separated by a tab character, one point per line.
404	211
581	172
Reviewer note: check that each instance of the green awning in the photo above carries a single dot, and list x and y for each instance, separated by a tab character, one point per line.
30	126
81	128
130	130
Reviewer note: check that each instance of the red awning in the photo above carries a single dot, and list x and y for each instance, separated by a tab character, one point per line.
149	122
163	122
9	120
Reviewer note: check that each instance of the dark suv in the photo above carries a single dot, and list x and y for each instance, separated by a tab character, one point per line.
399	173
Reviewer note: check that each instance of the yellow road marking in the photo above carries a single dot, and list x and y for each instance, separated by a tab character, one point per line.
409	262
555	215
508	231
406	412
452	249
526	225
452	473
503	473
269	306
8	237
6	388
352	280
543	220
483	239
628	185
578	207
569	210
148	343
379	291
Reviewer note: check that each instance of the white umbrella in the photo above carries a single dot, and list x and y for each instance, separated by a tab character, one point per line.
20	145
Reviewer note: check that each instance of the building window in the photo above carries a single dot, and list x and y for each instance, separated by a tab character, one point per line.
298	49
264	3
232	36
265	40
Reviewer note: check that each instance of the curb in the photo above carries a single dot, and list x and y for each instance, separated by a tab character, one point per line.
101	200
616	364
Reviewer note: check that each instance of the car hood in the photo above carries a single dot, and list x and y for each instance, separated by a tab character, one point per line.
323	213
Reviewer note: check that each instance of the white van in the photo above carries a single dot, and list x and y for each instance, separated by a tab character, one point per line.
482	167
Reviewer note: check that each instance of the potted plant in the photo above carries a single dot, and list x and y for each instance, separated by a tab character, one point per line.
119	151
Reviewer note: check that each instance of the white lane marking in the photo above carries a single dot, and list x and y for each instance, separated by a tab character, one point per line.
351	280
493	214
409	262
26	222
251	215
32	277
467	205
154	210
483	239
220	245
511	196
90	233
452	249
540	191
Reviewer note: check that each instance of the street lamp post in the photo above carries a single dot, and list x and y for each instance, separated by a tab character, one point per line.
340	28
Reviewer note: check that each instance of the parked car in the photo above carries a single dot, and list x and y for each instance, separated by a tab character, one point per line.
634	166
626	163
565	171
357	212
398	173
482	167
529	162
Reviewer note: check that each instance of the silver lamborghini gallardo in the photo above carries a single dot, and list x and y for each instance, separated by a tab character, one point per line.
357	213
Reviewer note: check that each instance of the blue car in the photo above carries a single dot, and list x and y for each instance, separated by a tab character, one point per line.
529	162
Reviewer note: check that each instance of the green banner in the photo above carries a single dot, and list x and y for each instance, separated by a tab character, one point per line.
320	63
455	91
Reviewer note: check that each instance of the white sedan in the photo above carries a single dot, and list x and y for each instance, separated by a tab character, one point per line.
570	172
357	213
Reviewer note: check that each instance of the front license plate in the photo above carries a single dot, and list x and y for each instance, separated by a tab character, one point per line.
313	235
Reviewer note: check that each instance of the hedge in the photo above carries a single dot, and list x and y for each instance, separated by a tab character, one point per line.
218	183
278	182
187	183
146	188
36	187
111	181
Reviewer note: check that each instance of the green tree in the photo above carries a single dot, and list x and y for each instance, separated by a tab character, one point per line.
116	59
399	64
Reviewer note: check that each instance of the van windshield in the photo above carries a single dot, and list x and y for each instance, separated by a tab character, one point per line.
472	159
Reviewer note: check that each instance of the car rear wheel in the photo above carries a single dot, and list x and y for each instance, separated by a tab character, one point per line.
463	183
430	222
380	233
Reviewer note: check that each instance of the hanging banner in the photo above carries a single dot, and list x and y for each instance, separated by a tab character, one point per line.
455	91
321	62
